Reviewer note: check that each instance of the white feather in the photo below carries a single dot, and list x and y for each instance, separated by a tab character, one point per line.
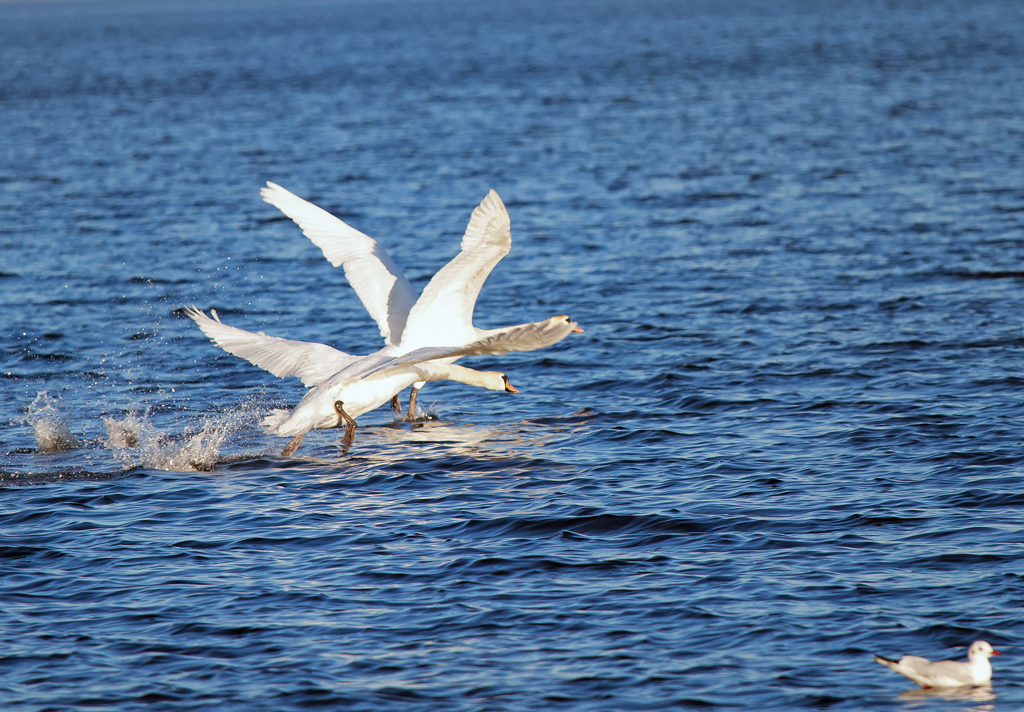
380	285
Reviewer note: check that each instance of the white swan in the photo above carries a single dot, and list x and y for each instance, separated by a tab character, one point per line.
343	400
372	380
946	673
443	315
435	327
343	386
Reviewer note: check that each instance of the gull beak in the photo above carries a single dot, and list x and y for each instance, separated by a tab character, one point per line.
509	388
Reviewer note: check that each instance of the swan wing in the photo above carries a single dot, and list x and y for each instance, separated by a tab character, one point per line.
444	312
313	363
379	283
360	368
524	337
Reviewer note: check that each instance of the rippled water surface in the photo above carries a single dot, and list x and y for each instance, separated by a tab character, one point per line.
790	437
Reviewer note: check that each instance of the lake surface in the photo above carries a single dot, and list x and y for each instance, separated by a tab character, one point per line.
792	435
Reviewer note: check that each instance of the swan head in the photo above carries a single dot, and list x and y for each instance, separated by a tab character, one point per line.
509	388
980	650
492	381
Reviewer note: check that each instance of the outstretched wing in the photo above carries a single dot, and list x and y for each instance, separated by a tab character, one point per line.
383	289
311	362
524	337
444	312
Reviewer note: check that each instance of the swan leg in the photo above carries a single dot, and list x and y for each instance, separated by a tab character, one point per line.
396	405
350	427
291	447
412	402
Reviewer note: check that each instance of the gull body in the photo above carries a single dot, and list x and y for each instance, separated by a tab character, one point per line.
946	673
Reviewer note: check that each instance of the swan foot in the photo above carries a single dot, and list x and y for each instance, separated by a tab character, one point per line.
291	447
412	402
350	427
396	406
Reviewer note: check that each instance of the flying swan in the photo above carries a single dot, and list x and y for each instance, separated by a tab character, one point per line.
422	336
343	387
443	315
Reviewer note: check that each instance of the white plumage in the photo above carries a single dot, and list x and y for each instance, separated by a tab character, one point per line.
946	673
422	336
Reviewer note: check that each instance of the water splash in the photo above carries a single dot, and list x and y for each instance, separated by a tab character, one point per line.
142	445
198	452
51	424
128	432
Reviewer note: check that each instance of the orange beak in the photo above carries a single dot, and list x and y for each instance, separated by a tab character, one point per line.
576	330
509	388
996	652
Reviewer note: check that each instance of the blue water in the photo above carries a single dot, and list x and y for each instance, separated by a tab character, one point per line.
790	437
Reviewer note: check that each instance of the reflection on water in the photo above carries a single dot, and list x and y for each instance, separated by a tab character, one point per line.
491	441
980	693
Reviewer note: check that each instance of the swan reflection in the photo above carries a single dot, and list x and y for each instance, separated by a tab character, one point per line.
497	441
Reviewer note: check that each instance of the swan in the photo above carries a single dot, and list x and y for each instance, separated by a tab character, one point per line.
344	399
946	673
343	386
436	326
443	314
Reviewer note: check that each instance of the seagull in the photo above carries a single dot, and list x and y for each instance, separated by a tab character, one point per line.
343	387
443	314
946	673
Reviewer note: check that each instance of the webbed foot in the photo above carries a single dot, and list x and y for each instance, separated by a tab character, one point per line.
291	447
350	427
412	402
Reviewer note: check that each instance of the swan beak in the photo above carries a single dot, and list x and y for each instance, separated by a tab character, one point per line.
509	388
996	652
576	330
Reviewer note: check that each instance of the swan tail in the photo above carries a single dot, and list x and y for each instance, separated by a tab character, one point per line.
274	419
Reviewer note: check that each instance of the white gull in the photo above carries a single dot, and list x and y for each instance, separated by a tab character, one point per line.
946	673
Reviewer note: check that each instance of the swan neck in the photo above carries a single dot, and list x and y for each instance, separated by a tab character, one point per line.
434	371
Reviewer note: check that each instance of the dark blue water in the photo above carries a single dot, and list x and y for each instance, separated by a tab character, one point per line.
790	437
